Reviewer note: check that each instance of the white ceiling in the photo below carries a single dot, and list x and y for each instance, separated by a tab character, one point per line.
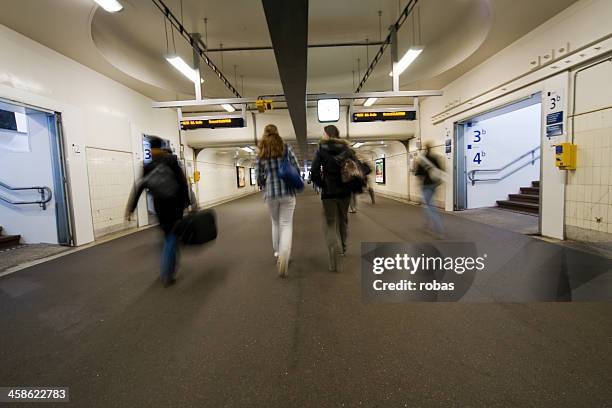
129	46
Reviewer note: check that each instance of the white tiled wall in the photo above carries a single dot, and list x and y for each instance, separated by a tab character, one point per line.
111	177
589	187
588	214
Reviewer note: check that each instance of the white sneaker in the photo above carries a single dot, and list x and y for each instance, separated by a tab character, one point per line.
276	255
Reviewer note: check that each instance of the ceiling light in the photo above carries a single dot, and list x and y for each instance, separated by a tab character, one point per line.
228	107
407	59
357	145
112	6
369	101
178	63
248	149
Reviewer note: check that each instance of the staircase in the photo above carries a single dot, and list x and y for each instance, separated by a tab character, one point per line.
527	201
9	241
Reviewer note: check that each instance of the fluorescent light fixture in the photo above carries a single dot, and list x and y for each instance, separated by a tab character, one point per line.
112	6
228	107
248	149
407	59
178	63
328	110
357	145
369	101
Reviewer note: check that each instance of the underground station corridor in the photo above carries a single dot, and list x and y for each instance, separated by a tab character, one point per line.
305	203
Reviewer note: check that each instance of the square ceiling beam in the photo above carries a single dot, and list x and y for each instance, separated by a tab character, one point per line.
288	27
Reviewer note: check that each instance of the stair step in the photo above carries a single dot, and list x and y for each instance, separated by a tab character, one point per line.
532	208
530	190
526	198
535	184
9	241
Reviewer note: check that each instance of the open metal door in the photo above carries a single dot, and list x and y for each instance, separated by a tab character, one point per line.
60	180
460	174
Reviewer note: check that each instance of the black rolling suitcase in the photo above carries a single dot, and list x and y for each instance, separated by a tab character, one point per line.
198	227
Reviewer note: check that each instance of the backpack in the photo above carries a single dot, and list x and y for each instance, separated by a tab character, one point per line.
162	183
426	167
351	172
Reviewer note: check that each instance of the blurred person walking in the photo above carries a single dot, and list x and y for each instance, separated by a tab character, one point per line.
430	169
366	170
165	180
278	193
327	169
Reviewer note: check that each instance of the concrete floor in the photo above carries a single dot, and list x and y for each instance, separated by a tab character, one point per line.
231	334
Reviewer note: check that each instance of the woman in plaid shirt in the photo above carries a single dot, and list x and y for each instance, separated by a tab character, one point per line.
279	196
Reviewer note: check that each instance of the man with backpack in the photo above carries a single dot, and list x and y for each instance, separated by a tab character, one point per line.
337	172
165	180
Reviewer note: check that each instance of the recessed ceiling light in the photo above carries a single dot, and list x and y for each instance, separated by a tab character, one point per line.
112	6
228	107
357	145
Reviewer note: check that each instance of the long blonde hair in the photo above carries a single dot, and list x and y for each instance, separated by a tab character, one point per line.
271	145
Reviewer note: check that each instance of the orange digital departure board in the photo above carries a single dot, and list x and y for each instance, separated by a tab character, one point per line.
383	116
192	124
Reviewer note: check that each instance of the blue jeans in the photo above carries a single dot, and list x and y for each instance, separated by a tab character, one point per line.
169	255
430	211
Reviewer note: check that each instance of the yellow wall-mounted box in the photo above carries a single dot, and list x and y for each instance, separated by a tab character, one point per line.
565	156
264	105
196	176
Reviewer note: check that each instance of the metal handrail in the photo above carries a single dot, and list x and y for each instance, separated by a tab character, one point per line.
45	195
531	152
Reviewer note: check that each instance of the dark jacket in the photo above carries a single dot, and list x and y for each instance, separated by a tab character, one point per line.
169	210
325	169
425	173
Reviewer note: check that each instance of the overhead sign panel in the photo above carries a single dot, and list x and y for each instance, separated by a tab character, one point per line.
383	116
191	124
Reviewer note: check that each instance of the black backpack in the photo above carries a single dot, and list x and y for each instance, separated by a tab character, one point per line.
162	182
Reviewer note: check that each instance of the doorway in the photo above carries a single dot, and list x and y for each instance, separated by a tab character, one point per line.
497	162
34	199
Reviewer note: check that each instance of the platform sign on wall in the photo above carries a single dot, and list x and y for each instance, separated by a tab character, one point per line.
474	143
554	113
379	171
146	146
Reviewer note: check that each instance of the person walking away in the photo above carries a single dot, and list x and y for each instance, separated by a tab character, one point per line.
166	182
335	195
366	169
279	196
430	169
